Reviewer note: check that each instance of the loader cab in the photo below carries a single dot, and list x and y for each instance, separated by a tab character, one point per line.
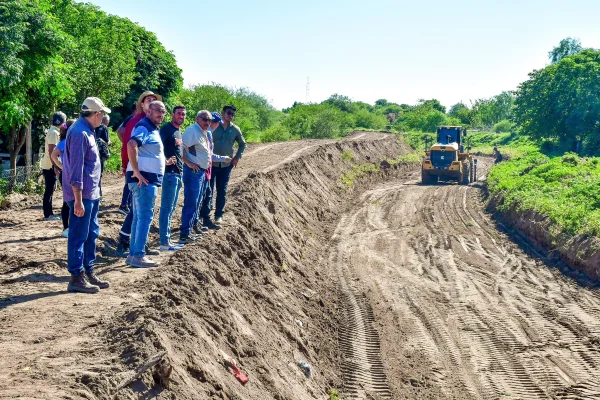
451	134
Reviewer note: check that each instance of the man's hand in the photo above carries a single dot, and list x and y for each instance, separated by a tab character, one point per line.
56	171
227	159
234	162
141	179
193	166
178	142
79	209
172	160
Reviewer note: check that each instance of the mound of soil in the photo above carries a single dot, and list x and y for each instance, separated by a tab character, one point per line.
257	291
581	254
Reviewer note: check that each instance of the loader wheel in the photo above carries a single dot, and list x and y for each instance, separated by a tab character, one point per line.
472	174
465	176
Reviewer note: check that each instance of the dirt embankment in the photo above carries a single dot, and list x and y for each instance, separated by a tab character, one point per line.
253	292
581	254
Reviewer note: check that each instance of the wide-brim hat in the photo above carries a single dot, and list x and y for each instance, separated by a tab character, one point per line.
143	96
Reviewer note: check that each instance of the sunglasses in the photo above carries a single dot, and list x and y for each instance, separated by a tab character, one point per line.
205	119
232	113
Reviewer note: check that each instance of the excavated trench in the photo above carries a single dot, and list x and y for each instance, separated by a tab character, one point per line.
264	292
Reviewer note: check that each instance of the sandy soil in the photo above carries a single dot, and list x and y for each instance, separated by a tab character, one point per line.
462	310
392	290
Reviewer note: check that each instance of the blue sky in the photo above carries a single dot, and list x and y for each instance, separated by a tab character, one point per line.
402	51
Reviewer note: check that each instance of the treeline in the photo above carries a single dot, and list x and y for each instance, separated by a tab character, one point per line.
55	53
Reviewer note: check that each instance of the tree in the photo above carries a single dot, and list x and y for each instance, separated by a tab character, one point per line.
566	47
34	77
562	100
461	112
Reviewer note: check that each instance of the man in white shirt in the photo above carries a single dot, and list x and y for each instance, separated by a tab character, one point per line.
196	160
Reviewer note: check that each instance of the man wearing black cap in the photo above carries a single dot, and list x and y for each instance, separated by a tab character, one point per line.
52	139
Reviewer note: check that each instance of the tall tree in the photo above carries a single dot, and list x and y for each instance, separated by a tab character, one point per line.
562	101
34	77
566	47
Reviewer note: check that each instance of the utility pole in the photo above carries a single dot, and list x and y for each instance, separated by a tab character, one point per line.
307	88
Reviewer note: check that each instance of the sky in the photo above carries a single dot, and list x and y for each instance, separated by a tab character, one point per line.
398	50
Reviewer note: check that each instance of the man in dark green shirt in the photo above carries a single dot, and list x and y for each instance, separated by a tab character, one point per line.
224	137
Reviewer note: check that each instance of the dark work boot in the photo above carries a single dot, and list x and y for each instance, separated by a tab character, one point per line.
210	225
122	249
94	280
79	284
150	251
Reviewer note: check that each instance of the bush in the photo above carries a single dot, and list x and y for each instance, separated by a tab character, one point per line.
503	126
276	133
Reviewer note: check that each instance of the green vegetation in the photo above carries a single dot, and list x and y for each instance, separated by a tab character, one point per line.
333	394
564	188
347	156
56	53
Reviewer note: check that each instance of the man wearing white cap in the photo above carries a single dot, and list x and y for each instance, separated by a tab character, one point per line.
81	191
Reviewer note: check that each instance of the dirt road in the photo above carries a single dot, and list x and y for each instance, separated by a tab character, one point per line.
462	311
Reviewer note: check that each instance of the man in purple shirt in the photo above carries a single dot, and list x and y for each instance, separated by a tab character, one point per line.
81	191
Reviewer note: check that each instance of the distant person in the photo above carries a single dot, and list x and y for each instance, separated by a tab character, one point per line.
142	107
196	159
497	155
51	140
56	158
171	186
81	191
103	142
145	172
224	137
207	200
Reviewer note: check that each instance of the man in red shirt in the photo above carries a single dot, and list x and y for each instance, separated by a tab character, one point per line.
142	107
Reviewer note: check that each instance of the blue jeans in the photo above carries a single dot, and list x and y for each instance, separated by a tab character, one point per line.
168	201
83	232
220	180
144	198
126	198
193	186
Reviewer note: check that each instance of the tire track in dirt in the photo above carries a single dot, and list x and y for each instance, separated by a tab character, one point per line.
484	319
361	367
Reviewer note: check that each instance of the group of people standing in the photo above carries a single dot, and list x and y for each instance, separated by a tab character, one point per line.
200	160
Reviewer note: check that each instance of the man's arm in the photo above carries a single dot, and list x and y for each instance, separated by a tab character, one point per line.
239	138
54	156
132	152
77	148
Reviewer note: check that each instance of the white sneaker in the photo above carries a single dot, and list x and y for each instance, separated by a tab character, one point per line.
65	233
171	247
52	218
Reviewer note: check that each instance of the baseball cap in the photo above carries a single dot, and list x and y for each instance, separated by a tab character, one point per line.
94	104
58	118
216	117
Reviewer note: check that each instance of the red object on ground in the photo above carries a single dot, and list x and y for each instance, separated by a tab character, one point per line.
235	371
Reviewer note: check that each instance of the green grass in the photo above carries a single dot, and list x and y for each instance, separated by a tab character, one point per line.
564	188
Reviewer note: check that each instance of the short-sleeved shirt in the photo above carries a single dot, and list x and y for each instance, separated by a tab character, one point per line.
168	135
81	162
223	141
61	146
52	137
151	156
196	145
